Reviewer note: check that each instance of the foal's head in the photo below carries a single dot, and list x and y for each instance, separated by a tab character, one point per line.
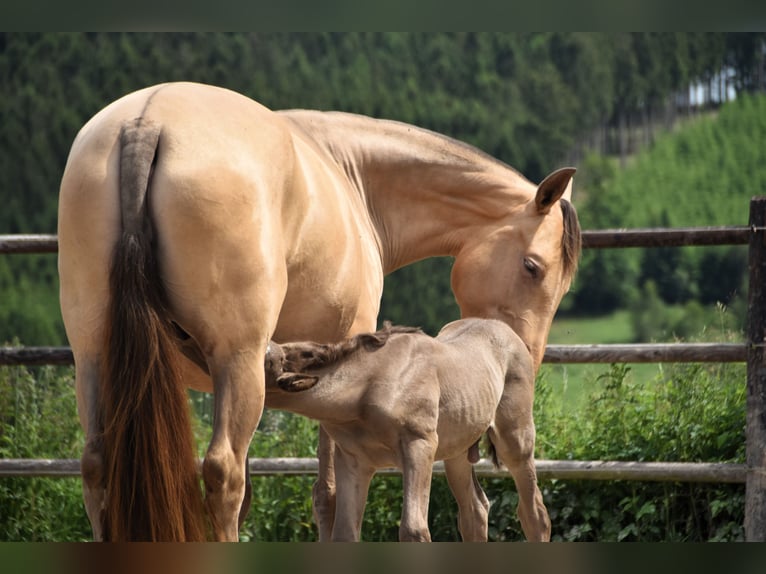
292	366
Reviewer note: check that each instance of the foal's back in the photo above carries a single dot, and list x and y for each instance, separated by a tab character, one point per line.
478	359
485	344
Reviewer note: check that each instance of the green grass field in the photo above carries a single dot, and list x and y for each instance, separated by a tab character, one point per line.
614	328
575	383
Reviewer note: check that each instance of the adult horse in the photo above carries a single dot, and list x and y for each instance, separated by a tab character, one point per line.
195	225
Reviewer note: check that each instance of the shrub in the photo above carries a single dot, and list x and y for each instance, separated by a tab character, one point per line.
688	413
38	420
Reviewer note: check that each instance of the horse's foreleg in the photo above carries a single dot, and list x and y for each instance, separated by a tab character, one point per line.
417	467
353	485
323	493
515	448
472	503
239	396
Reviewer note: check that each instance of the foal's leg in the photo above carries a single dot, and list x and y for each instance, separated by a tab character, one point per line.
514	442
417	467
353	485
472	503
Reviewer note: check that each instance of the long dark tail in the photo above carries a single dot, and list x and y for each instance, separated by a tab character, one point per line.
152	486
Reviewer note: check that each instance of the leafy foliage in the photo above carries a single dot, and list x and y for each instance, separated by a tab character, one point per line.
701	175
689	413
37	420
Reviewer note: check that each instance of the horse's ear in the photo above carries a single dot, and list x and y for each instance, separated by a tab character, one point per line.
295	382
555	186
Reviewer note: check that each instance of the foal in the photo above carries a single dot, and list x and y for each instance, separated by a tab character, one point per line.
399	398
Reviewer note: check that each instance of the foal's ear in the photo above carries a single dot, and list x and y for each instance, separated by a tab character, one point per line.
555	186
295	382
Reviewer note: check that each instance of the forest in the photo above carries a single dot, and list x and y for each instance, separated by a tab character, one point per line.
534	100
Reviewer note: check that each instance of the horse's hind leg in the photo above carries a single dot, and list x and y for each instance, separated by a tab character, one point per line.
92	461
513	437
239	397
473	506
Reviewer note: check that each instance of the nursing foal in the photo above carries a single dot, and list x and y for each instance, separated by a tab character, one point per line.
399	398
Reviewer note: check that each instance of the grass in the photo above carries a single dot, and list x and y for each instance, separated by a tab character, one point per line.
614	328
575	383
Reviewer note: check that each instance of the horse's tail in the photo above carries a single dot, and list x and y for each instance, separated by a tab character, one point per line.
152	485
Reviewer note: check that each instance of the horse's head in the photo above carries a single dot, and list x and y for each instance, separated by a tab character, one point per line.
519	268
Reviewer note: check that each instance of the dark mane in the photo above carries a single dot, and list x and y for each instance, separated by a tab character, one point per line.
571	241
303	357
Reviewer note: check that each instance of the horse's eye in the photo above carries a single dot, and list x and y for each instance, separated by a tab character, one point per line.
531	267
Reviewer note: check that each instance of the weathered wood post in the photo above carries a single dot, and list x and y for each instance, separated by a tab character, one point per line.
755	485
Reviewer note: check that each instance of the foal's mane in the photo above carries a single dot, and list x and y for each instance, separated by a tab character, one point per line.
302	357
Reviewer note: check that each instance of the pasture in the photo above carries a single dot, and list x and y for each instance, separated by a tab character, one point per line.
647	320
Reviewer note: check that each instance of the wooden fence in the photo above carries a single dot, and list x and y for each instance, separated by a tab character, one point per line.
752	473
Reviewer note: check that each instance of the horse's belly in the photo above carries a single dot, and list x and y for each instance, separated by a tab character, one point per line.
456	440
334	294
312	316
376	448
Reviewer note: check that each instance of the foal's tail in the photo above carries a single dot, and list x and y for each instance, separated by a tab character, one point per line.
152	487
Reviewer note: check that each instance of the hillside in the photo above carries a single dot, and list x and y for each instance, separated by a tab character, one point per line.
702	174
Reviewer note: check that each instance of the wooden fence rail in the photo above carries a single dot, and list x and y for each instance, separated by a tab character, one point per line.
604	238
555	354
753	473
711	472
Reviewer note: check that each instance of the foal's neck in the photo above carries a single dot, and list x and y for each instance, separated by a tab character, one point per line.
426	193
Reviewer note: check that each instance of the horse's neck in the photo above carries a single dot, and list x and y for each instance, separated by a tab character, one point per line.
425	192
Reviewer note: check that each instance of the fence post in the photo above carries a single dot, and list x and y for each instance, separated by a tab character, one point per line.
755	432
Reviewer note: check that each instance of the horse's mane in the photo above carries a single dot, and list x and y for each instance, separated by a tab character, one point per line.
571	240
302	357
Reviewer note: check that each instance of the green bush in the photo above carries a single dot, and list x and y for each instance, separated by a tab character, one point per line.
689	413
38	420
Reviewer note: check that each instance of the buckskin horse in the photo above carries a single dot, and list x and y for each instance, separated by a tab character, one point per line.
399	398
195	225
